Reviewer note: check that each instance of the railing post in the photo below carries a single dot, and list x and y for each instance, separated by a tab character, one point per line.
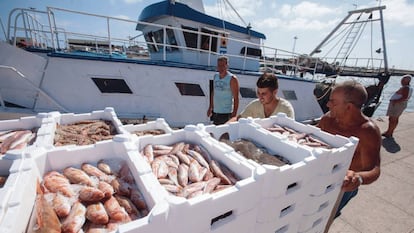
109	37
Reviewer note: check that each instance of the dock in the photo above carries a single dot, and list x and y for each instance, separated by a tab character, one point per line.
386	205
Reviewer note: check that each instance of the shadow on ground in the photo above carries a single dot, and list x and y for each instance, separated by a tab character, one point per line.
391	145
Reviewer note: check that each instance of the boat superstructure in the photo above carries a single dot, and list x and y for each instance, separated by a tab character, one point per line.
164	68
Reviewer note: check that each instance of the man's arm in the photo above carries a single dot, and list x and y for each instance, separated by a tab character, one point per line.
234	85
366	161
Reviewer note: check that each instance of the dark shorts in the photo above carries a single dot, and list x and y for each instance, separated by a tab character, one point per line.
345	199
220	118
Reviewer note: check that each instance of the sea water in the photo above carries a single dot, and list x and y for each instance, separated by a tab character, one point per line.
392	86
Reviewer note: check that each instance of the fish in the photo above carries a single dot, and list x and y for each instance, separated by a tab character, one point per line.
77	176
61	205
182	174
47	220
121	187
215	168
106	168
125	174
177	147
90	194
74	222
106	188
184	158
115	211
138	200
96	213
197	156
173	175
94	171
211	184
148	152
194	171
159	168
5	146
56	182
129	207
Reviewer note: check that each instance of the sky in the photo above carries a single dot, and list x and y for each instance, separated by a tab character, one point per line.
280	20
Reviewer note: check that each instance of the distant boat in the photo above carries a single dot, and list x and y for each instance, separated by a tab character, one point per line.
165	71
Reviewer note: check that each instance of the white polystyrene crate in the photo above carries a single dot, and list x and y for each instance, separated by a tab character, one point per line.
336	160
289	225
69	118
240	223
25	123
198	214
19	205
120	149
314	204
159	123
290	178
315	222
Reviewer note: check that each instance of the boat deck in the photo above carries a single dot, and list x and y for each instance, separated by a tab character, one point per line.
387	205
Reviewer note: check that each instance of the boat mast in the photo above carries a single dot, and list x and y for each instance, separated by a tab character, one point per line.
383	41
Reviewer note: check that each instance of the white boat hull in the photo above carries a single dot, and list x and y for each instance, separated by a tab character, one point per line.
65	84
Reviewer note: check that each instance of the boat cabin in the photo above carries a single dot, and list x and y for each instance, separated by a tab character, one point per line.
196	38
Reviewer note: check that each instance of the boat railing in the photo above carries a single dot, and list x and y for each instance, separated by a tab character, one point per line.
41	29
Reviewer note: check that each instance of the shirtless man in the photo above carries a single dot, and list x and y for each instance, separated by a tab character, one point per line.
346	118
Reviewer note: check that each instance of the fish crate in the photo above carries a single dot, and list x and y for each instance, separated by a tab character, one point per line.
120	155
90	133
285	187
9	173
18	135
154	128
329	173
219	211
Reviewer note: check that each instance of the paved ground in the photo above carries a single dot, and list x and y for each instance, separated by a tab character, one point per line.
386	206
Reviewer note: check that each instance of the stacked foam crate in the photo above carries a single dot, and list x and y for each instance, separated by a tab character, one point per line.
114	152
13	170
108	114
282	197
327	176
159	126
232	209
35	124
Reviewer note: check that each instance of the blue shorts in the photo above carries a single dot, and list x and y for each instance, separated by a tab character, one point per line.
345	199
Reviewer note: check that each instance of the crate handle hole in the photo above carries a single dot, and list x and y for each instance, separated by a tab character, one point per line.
221	217
285	211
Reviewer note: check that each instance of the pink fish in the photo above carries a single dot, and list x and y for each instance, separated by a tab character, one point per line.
183	174
74	222
46	219
90	194
96	213
61	205
77	176
114	210
94	171
56	182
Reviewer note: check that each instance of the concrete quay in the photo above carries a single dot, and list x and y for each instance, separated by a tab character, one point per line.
387	205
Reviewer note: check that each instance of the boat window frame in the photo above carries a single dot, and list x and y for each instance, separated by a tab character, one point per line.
190	89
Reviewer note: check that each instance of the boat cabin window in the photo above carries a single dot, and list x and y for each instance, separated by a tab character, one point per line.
155	40
289	94
190	89
112	85
205	40
248	92
191	39
251	52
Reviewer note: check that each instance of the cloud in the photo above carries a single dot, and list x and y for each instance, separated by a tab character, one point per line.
399	12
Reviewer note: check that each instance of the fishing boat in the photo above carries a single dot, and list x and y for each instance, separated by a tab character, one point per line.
164	71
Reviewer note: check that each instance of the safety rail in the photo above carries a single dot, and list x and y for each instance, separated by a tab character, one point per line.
41	29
